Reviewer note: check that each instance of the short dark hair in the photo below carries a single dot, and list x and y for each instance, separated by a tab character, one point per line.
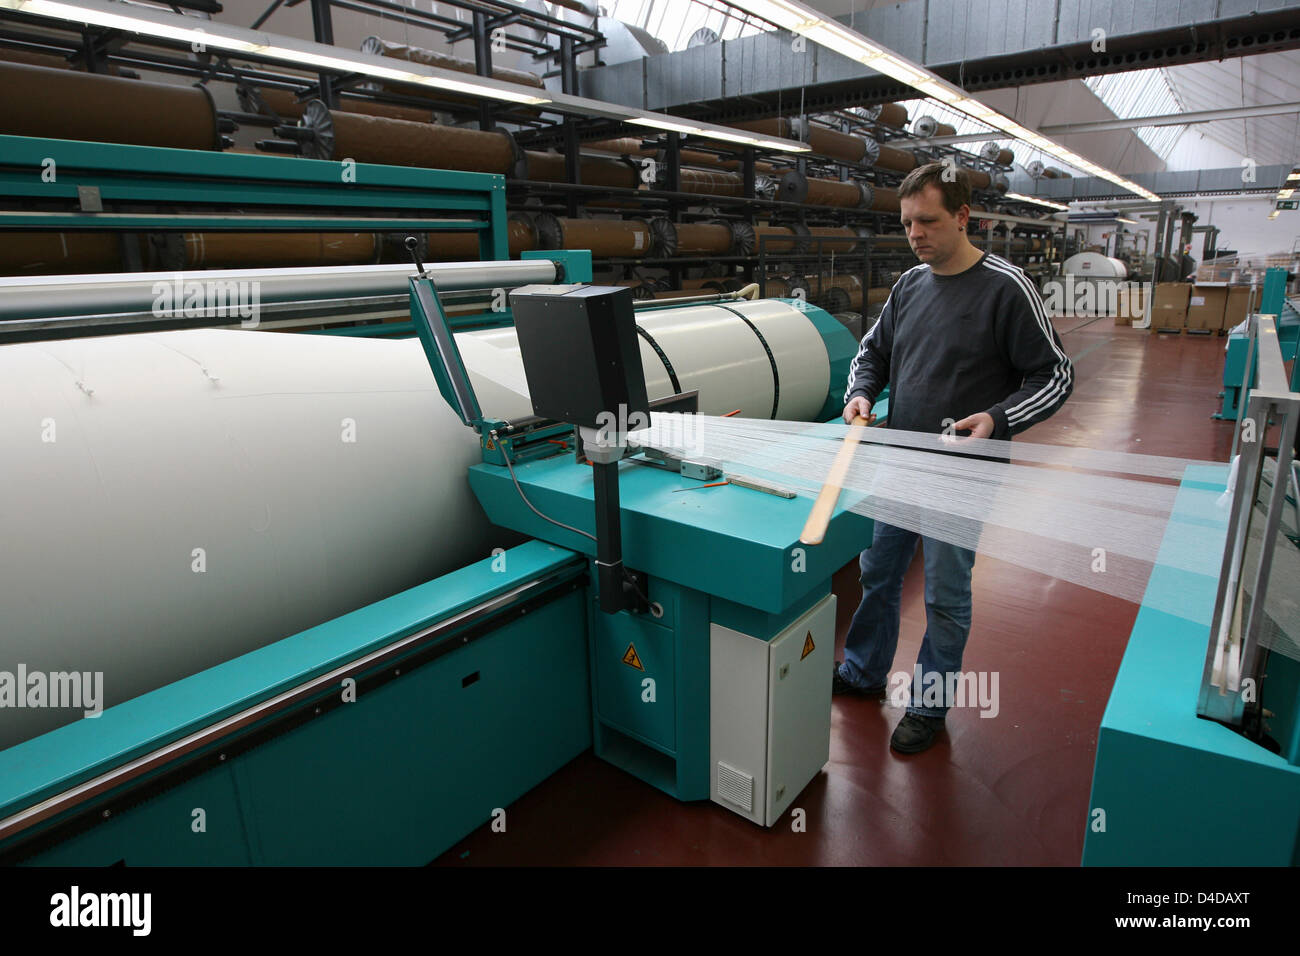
949	179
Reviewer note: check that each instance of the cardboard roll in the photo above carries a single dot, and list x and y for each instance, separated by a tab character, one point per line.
606	238
844	239
977	178
338	135
53	253
996	154
887	157
400	51
690	239
796	187
786	287
889	114
836	293
176	251
67	104
632	146
883	200
851	321
285	104
836	145
927	127
641	290
890	244
709	182
463	246
844	294
53	61
680	293
592	170
1053	172
705	285
782	127
775	243
743	242
760	168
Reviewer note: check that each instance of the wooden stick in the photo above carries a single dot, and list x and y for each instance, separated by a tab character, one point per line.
814	528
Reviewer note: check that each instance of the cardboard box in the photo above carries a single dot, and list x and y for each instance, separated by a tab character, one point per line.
1205	307
1131	304
1234	313
1169	305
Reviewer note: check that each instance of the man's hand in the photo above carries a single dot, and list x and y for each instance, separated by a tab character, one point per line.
980	425
860	406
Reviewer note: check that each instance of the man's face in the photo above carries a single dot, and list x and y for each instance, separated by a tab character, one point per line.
934	233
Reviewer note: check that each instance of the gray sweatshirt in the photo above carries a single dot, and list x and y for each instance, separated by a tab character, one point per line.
952	346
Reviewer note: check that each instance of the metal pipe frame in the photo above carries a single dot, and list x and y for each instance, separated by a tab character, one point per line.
1232	657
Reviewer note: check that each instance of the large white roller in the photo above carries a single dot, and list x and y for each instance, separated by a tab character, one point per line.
175	499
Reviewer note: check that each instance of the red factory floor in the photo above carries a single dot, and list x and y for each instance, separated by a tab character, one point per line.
1009	790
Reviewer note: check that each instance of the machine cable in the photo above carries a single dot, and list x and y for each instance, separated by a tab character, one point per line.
776	378
663	357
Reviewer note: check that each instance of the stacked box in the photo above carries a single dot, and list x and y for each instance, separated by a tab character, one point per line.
1131	304
1234	312
1169	305
1205	307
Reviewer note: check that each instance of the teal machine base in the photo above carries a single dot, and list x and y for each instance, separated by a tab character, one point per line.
725	556
1172	789
487	696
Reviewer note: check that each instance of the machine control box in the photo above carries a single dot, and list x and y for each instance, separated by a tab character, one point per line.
581	353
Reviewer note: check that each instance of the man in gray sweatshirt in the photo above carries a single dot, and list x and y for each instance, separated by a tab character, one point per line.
966	347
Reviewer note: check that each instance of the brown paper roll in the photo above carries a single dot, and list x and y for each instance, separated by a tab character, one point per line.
286	104
56	253
549	168
837	145
67	104
890	114
379	139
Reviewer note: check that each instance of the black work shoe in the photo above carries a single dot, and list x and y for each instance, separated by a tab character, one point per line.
915	733
840	686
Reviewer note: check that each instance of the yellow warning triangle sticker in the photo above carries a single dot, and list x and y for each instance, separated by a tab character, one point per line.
808	646
631	659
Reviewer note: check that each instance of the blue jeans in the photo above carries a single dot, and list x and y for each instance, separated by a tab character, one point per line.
873	634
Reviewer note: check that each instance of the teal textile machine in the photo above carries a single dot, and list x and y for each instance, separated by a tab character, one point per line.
385	734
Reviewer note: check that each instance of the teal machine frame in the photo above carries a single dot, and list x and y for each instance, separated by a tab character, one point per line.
132	189
1183	776
1235	385
386	735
